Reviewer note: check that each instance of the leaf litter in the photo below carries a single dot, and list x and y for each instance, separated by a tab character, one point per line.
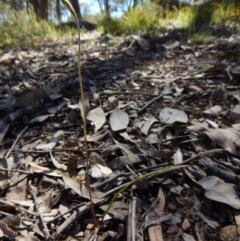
158	102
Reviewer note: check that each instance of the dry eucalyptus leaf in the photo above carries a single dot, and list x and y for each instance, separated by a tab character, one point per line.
128	158
119	209
188	237
126	136
54	110
49	146
141	42
6	232
169	116
219	191
98	171
96	137
18	190
40	118
97	116
212	123
220	139
149	120
178	157
119	120
44	170
215	110
77	187
56	163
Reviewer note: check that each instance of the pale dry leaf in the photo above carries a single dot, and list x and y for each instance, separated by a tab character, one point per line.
169	116
18	190
129	157
119	209
219	191
215	110
96	137
171	44
178	157
119	120
212	123
77	187
54	110
220	139
46	202
149	120
153	139
6	232
195	88
40	118
126	136
188	237
97	116
34	168
98	171
49	146
141	42
56	163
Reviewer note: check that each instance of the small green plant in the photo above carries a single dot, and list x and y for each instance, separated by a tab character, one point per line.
129	184
203	67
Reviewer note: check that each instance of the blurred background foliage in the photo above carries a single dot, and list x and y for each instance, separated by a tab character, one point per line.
25	23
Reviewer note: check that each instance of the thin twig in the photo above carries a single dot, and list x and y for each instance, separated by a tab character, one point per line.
127	93
70	210
19	208
201	154
16	141
47	152
148	104
14	170
176	101
45	228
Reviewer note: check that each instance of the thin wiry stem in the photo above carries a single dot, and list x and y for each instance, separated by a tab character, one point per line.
84	124
71	9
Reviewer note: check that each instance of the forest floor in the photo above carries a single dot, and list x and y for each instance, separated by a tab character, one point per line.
161	108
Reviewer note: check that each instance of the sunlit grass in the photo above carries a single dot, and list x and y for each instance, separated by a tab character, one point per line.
150	16
201	36
21	29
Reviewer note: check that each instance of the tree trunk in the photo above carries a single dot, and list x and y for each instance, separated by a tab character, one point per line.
40	8
107	9
58	10
76	7
100	6
135	2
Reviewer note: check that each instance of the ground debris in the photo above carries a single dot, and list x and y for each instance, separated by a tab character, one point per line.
163	133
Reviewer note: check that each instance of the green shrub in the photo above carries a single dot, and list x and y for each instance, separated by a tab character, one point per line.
212	12
143	17
21	28
112	25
